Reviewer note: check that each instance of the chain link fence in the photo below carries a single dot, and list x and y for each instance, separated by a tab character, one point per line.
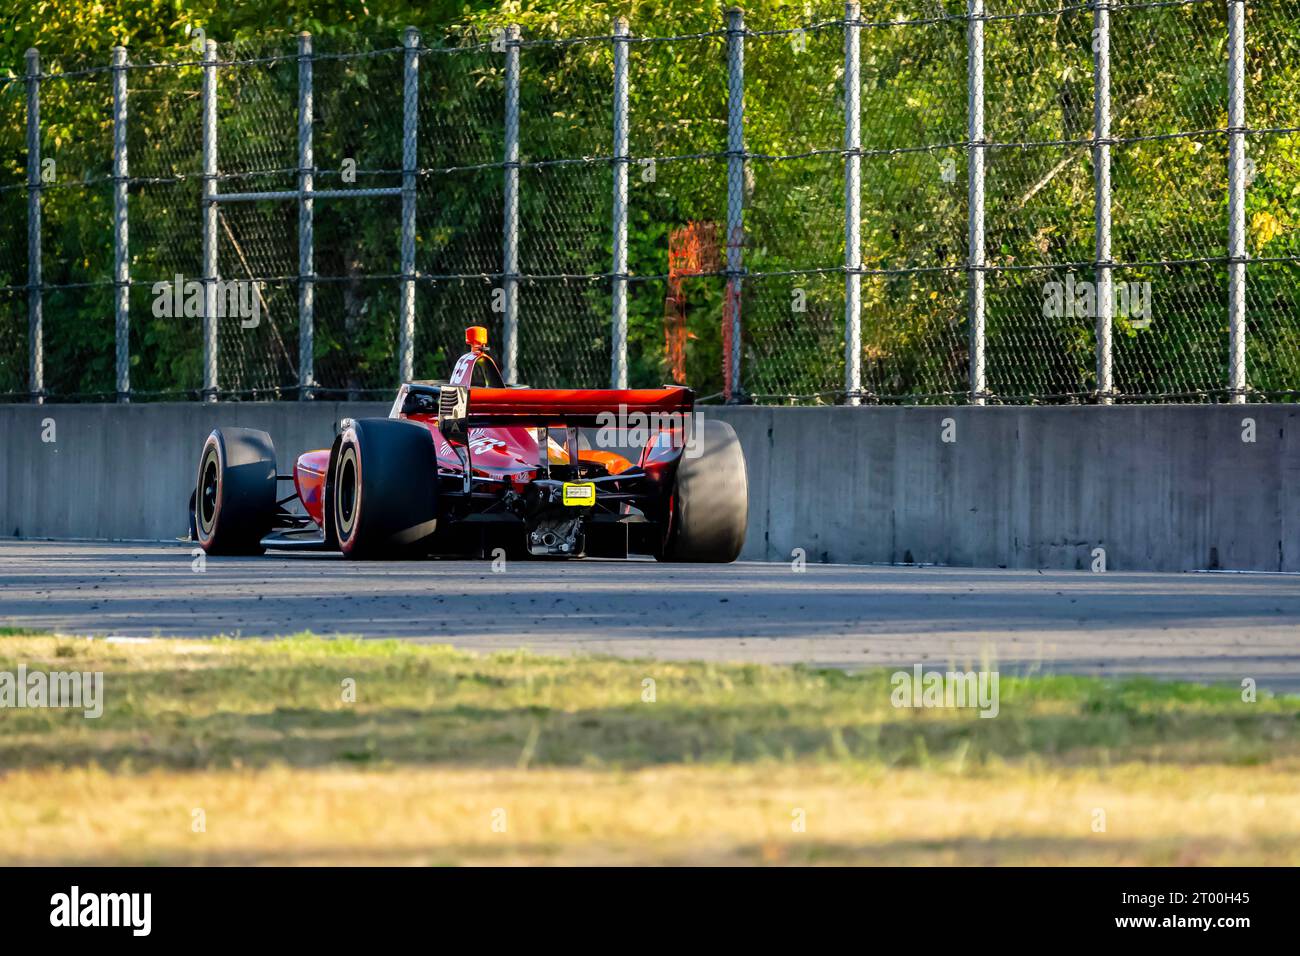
970	201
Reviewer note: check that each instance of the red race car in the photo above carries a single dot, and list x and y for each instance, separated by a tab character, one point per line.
470	466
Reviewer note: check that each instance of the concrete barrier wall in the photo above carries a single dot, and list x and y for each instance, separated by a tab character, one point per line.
1157	487
126	471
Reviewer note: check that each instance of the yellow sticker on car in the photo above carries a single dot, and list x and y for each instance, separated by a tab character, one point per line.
579	493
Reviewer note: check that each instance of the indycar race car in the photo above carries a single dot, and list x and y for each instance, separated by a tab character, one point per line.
469	466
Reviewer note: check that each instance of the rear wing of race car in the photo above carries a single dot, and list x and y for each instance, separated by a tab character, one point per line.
459	408
560	407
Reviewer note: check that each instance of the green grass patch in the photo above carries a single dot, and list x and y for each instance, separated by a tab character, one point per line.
307	701
18	632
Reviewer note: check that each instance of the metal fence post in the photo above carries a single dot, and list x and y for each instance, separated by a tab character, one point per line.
121	259
306	234
410	127
852	203
735	184
510	238
1101	176
1236	201
618	297
975	201
210	221
35	321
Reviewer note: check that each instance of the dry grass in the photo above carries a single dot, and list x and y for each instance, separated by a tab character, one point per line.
451	758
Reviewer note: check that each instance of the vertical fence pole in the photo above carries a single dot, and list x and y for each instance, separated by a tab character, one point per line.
735	184
852	202
35	321
618	298
1236	201
975	223
410	127
306	225
510	239
210	221
121	259
1101	177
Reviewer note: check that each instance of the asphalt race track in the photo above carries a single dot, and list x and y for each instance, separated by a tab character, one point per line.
1204	627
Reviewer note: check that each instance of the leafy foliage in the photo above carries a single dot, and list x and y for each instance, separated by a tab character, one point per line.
1169	94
